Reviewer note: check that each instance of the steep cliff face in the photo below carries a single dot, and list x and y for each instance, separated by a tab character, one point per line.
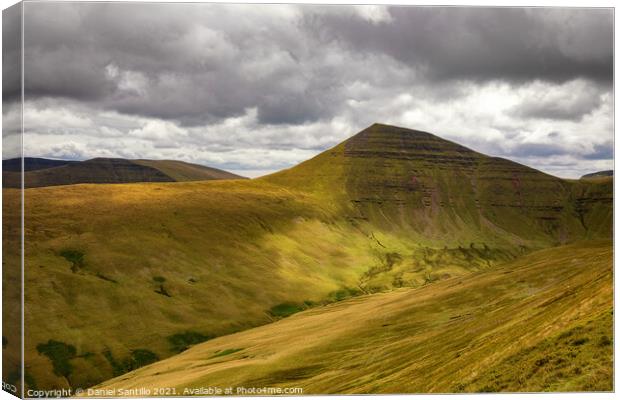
401	179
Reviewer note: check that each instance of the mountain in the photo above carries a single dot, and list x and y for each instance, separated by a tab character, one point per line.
443	193
599	174
41	172
118	276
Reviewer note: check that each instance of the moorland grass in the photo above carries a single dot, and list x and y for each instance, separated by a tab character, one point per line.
539	323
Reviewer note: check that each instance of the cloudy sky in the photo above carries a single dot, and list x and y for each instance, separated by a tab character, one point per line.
257	88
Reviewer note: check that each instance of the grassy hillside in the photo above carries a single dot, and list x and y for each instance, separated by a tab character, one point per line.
181	171
541	323
42	172
123	267
118	276
442	193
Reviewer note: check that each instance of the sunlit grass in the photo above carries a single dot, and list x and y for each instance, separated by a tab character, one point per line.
542	322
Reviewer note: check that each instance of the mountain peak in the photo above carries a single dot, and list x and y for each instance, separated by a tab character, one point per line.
387	128
394	176
390	141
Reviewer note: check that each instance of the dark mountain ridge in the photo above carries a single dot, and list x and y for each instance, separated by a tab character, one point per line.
32	164
41	172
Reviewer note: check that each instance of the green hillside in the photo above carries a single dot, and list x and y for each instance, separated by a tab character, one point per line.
181	171
118	276
442	193
541	323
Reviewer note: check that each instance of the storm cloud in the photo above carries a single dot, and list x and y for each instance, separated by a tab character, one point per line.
257	88
481	44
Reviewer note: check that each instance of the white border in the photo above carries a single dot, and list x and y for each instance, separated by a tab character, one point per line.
479	3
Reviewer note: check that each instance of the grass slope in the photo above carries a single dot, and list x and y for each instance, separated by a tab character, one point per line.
115	268
185	172
540	323
126	274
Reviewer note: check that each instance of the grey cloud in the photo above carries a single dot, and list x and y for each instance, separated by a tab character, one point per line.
266	86
603	151
558	111
293	108
484	43
202	63
536	150
11	48
566	102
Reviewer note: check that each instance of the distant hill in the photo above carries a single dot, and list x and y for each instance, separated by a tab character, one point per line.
599	174
41	172
32	164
